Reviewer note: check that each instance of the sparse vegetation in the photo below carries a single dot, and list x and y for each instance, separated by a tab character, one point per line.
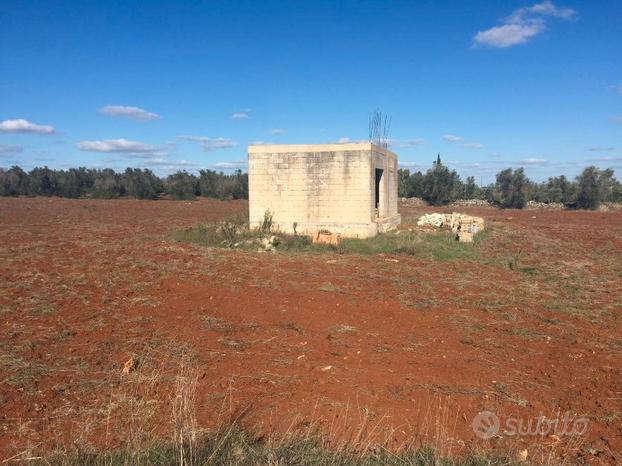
236	234
232	445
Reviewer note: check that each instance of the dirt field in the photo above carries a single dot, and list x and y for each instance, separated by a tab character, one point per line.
394	349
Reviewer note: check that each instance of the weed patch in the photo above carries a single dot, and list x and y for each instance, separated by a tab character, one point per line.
235	234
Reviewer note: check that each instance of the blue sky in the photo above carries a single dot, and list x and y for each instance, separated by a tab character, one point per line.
169	85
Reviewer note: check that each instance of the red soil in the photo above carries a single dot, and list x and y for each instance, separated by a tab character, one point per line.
394	349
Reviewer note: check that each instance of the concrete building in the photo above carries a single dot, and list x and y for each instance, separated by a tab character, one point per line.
350	189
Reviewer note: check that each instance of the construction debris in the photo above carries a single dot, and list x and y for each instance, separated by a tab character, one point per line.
326	237
465	227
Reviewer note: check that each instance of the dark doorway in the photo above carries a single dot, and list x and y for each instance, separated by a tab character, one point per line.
377	185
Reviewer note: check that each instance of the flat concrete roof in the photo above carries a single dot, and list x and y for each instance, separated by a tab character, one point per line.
332	147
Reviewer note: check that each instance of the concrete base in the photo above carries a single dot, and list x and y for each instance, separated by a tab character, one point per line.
346	230
389	223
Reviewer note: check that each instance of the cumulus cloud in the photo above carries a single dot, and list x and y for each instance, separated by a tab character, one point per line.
209	144
473	145
10	149
121	146
277	132
451	138
134	113
24	126
522	25
241	115
343	140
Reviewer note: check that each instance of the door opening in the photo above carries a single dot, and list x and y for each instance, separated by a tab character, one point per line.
377	186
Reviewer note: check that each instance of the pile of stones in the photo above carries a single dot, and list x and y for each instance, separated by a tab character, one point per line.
465	227
472	203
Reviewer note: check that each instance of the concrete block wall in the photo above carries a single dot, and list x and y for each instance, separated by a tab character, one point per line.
325	186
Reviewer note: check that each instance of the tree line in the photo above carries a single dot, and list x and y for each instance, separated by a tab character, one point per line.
511	189
133	182
438	186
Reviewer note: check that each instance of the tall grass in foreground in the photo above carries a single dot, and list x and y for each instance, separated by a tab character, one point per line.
234	446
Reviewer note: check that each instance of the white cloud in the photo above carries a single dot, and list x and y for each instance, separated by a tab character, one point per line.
508	34
241	115
10	149
134	113
122	146
230	165
545	8
473	145
533	161
277	132
601	149
522	25
343	140
451	138
24	126
209	144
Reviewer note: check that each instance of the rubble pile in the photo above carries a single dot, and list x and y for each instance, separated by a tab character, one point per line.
326	237
465	227
413	201
544	205
472	203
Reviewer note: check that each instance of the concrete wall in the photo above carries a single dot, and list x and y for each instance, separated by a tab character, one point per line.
323	186
387	210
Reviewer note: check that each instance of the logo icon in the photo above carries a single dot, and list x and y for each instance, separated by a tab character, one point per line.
486	425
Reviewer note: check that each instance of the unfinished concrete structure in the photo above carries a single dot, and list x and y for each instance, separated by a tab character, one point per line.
348	189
